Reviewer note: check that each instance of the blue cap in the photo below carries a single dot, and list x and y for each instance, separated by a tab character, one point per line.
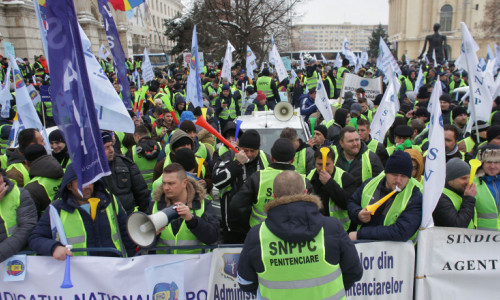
225	87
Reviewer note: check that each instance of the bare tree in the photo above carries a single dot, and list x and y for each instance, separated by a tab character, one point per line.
242	22
491	21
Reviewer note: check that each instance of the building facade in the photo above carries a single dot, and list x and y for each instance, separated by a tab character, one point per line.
18	25
330	37
411	21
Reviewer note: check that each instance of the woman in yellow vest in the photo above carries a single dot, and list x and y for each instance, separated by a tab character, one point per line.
84	227
488	186
197	223
297	253
455	207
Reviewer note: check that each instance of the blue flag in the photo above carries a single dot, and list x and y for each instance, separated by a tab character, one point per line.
194	82
116	51
72	102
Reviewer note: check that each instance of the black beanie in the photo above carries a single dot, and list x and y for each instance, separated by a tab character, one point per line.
378	99
185	140
492	132
185	157
322	129
341	116
283	150
56	136
34	151
445	97
457	111
106	137
250	139
399	163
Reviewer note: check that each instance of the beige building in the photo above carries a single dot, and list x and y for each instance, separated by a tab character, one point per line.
411	21
18	25
330	36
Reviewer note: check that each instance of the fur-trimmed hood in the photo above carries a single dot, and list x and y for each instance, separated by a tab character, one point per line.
295	218
194	190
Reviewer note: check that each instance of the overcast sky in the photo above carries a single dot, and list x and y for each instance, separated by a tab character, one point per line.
366	12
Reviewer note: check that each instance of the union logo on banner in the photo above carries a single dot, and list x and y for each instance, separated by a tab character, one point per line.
166	291
231	263
18	79
364	83
15	267
249	53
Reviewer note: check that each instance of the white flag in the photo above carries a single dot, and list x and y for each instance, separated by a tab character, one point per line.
279	65
384	59
358	64
228	62
338	61
435	162
34	95
434	57
480	99
489	53
147	68
28	118
364	58
5	95
324	59
302	65
420	80
251	62
111	111
386	112
294	75
322	102
347	51
497	51
103	52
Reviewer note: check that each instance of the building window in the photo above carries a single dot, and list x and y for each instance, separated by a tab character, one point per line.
446	17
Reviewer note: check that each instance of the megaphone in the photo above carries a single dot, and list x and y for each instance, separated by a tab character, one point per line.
142	228
283	111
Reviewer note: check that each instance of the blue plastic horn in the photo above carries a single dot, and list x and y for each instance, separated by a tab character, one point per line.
67	276
238	125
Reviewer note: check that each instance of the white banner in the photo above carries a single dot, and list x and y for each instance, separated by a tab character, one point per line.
250	63
386	112
147	68
387	271
456	263
223	282
348	53
99	278
322	102
372	86
384	59
280	67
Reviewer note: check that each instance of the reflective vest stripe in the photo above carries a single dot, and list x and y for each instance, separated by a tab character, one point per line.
301	284
228	111
312	82
264	85
76	240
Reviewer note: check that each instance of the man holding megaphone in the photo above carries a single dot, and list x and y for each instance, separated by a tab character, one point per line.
195	223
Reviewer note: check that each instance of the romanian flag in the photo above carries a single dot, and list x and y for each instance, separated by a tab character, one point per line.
125	5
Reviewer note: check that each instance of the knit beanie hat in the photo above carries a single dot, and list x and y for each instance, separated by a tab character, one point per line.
283	150
106	137
56	136
399	163
250	139
187	126
322	129
457	111
456	168
341	116
261	95
185	157
493	132
445	97
34	151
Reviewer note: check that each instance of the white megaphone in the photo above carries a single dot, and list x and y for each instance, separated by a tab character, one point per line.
283	111
142	228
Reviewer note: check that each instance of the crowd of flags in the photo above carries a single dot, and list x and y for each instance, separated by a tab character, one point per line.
85	101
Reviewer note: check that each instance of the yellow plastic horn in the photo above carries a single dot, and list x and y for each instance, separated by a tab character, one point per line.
373	207
474	165
204	112
93	207
324	153
200	165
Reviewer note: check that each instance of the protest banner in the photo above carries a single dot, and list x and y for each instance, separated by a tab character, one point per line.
387	271
372	86
457	263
